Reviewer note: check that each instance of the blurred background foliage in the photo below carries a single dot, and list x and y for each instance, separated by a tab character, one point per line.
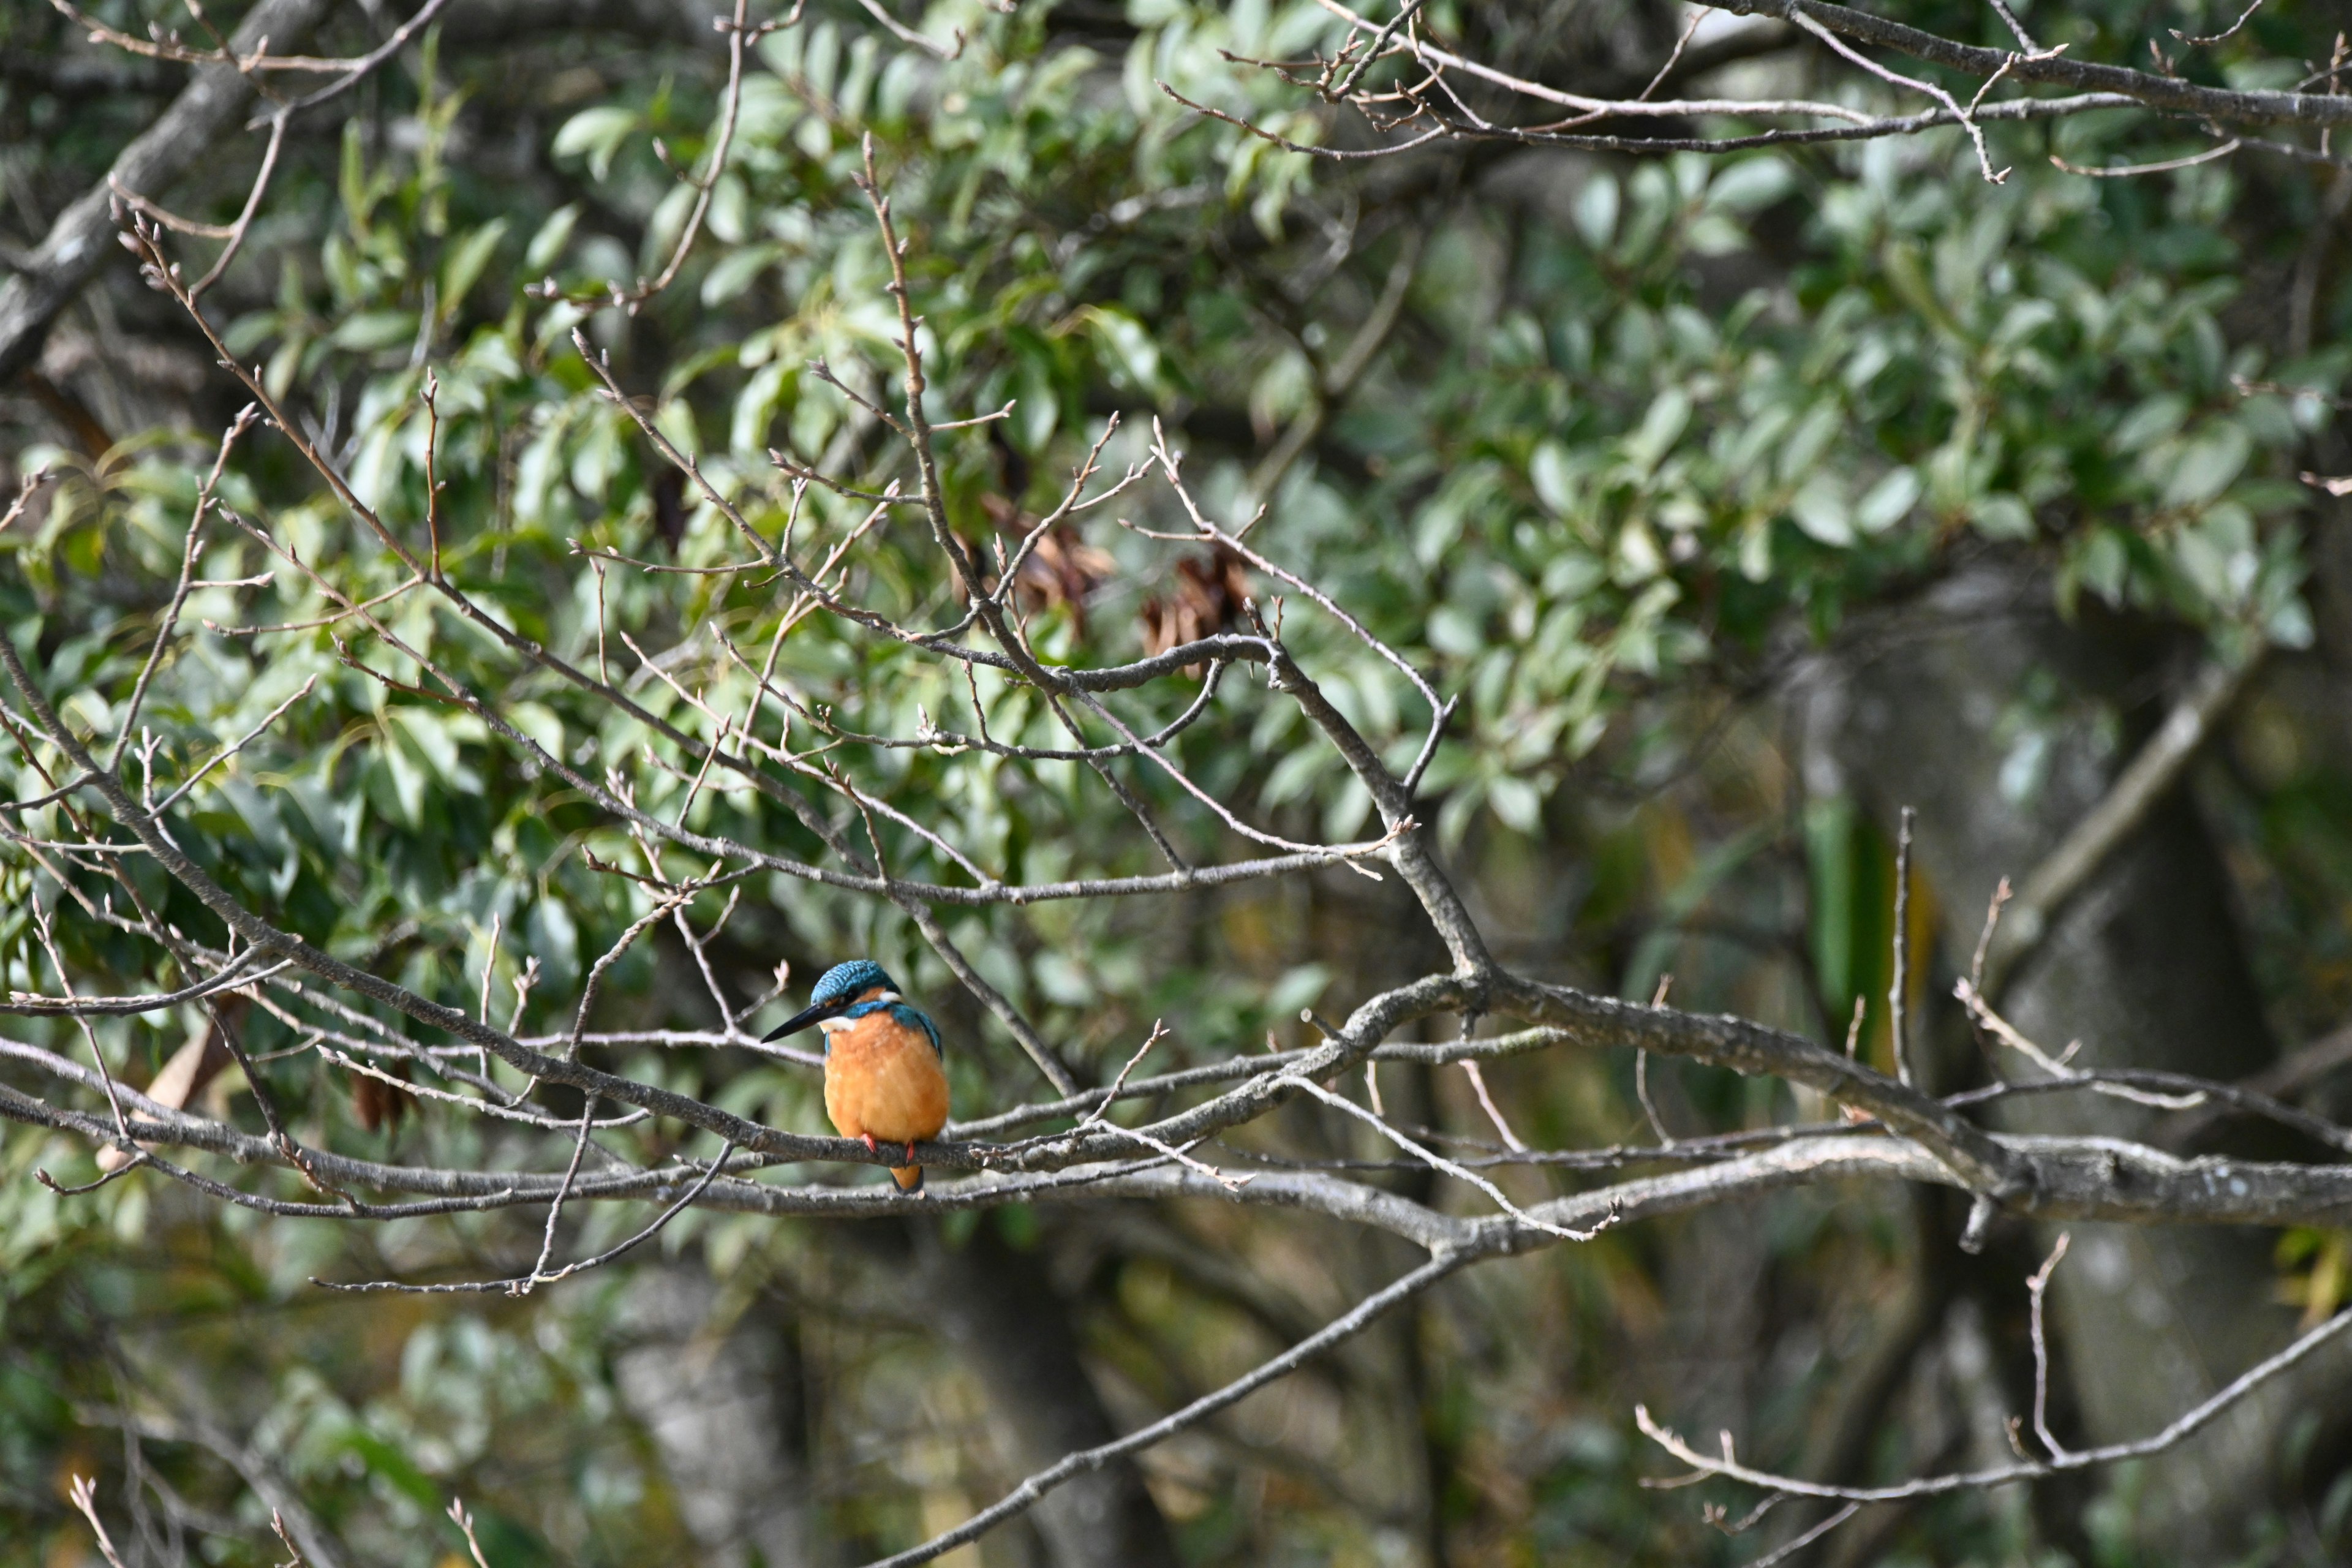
1644	442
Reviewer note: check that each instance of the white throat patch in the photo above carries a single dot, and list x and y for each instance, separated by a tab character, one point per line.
827	1026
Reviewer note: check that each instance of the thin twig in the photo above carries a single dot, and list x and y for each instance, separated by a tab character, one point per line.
2224	36
170	620
2163	166
2182	1427
234	747
2000	895
1898	994
2035	1288
465	1522
1486	1101
83	1492
1436	1160
1641	1072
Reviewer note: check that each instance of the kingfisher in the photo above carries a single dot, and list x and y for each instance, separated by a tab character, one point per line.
884	1072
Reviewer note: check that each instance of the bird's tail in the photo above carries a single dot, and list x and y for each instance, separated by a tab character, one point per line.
908	1177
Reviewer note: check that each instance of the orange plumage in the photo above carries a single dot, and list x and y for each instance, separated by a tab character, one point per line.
884	1082
883	1076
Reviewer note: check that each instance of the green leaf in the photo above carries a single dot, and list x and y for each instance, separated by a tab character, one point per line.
1127	344
1662	427
1595	209
373	330
386	1461
1820	509
464	267
553	236
596	134
1299	987
736	270
2003	516
1750	184
1554	480
2211	461
1517	800
1889	501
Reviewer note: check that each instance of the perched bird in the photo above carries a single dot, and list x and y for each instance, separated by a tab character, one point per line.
884	1077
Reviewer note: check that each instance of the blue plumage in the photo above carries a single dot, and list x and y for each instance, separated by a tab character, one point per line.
911	1017
854	978
837	995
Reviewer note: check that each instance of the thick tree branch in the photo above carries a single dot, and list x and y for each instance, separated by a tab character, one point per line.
82	236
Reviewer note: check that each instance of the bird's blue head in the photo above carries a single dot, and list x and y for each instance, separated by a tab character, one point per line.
835	992
849	982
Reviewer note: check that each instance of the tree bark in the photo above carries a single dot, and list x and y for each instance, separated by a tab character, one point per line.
722	1402
999	1308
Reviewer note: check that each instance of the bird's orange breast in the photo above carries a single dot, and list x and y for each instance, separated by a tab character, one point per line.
883	1080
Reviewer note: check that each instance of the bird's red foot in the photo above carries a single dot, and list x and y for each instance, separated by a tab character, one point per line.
910	1153
867	1139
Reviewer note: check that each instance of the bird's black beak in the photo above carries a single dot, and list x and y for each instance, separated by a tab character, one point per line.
804	1019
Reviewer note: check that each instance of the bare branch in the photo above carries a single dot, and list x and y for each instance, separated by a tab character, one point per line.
76	245
1486	1103
170	618
1437	1162
2183	1428
234	747
2036	1287
2163	166
1898	992
2225	35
